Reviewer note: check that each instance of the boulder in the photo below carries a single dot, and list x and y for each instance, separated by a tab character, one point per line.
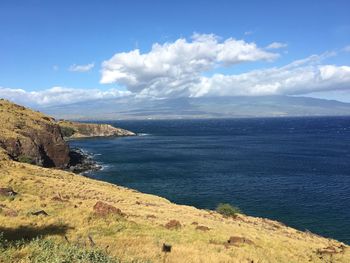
173	224
7	192
104	209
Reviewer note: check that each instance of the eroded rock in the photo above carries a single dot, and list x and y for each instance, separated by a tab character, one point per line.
104	209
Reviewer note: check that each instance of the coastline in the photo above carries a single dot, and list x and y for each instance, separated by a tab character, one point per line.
82	162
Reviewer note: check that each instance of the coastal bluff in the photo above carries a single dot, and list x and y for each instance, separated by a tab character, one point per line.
32	137
72	129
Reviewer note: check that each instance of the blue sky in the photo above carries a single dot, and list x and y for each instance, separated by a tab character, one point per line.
40	41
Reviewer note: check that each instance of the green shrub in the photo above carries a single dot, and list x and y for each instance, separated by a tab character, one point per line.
227	210
67	131
25	159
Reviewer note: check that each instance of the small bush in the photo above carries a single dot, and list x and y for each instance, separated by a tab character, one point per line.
227	210
67	131
25	159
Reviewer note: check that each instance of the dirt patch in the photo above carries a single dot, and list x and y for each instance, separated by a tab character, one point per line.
11	213
173	224
236	241
332	249
202	228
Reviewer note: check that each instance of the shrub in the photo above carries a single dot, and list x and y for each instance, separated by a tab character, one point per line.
25	159
227	210
67	131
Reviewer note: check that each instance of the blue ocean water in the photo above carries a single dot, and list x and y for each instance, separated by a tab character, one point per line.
294	170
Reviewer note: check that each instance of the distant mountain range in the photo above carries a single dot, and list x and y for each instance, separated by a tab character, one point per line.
186	108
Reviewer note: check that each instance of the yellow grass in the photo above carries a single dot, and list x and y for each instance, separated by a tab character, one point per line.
140	234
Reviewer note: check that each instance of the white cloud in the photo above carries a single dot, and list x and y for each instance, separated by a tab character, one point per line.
294	79
276	45
347	48
177	69
81	68
247	33
58	95
172	68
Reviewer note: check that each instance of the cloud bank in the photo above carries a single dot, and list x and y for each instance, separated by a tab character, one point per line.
184	68
58	95
179	69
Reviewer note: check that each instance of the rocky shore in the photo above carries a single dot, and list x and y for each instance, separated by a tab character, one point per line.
82	162
31	137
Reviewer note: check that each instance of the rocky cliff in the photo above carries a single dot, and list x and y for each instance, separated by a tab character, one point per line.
31	137
82	130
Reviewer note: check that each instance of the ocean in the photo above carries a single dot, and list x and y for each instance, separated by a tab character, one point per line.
294	170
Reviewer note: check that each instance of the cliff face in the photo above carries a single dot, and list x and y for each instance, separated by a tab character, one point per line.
81	130
32	137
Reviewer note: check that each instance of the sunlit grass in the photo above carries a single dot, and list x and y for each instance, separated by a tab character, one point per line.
139	234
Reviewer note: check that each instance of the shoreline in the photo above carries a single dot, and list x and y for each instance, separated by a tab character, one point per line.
82	162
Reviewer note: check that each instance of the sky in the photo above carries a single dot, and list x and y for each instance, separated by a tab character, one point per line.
58	52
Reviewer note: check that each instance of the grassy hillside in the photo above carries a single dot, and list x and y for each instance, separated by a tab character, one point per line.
136	226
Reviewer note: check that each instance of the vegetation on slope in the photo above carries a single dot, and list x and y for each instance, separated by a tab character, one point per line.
72	129
132	227
49	215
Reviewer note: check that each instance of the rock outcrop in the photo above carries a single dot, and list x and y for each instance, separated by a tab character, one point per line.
31	137
82	130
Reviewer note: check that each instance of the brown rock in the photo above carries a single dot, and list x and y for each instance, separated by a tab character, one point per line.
202	228
173	224
104	209
7	192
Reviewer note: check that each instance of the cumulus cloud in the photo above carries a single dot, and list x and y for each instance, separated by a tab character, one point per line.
292	79
81	68
173	68
276	45
177	69
58	95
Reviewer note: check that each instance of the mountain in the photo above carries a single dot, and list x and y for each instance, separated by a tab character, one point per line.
211	107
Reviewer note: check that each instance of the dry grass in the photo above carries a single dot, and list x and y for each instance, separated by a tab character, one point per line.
14	117
140	233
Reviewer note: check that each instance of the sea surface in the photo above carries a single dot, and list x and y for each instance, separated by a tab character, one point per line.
294	170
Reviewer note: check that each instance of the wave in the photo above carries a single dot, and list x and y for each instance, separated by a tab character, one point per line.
143	134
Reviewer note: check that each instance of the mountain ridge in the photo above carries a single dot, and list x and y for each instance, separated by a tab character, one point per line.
202	107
